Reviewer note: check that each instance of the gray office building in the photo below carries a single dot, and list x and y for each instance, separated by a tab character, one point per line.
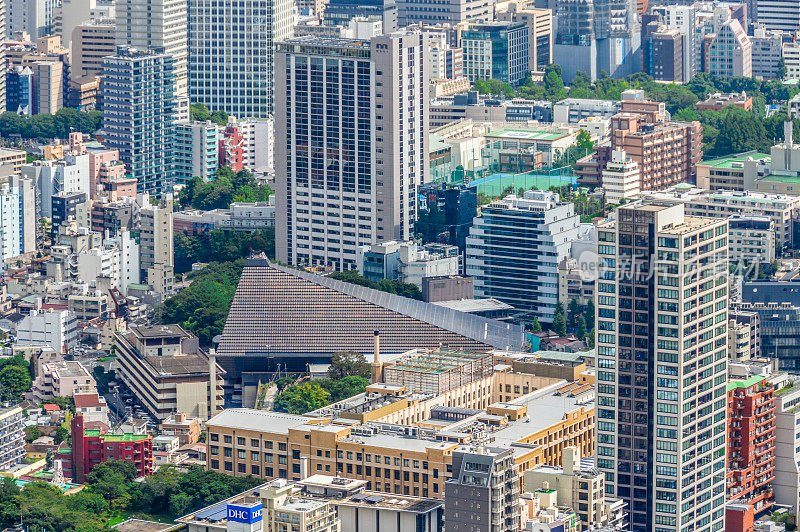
2	56
139	114
351	132
483	493
443	12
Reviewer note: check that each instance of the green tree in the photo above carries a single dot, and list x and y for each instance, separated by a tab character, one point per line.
781	72
61	434
14	382
559	322
580	329
537	327
589	314
302	398
199	112
31	433
573	311
347	363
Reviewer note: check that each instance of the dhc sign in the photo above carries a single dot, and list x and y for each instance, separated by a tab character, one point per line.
245	514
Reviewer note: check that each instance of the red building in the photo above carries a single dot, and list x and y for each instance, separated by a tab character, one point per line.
751	452
231	148
92	447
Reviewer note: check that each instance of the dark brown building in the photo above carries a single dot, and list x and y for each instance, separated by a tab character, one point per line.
662	54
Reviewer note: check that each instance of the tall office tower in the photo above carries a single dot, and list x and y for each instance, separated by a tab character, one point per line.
597	35
32	16
684	19
540	33
155	24
514	247
340	12
232	53
779	14
351	125
2	56
483	493
662	365
139	114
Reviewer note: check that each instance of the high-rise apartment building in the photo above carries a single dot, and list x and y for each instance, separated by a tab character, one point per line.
196	150
17	216
751	447
766	52
240	83
92	41
139	114
483	493
514	247
157	24
684	19
667	152
662	54
662	365
350	144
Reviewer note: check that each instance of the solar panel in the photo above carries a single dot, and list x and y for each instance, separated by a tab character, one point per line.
215	513
359	497
372	499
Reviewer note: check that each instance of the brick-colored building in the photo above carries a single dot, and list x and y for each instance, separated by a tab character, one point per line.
751	451
93	447
667	152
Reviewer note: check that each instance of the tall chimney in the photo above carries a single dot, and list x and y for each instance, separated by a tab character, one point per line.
787	134
377	349
212	382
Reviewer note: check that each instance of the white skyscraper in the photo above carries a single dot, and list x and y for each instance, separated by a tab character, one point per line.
163	24
17	216
351	128
661	323
2	56
232	53
779	14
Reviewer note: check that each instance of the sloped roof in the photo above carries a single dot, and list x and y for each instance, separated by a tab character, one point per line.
280	310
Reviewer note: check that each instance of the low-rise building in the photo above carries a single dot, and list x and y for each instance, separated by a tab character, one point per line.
91	405
322	503
621	177
573	283
408	262
187	429
62	379
57	329
579	486
751	240
719	101
167	371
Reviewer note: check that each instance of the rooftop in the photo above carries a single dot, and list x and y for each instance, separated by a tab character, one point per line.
258	420
734	161
746	383
159	331
439	361
530	134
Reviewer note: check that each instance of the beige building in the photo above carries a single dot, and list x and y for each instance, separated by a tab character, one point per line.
167	371
91	42
402	443
578	485
156	244
572	285
14	158
540	32
740	338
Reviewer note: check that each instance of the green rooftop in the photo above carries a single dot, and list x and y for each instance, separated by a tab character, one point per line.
115	437
728	161
755	379
529	134
776	178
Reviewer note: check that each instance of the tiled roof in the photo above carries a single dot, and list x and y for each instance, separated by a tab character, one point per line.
279	310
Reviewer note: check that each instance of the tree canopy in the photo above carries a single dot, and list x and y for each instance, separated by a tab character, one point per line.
47	126
225	188
385	285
